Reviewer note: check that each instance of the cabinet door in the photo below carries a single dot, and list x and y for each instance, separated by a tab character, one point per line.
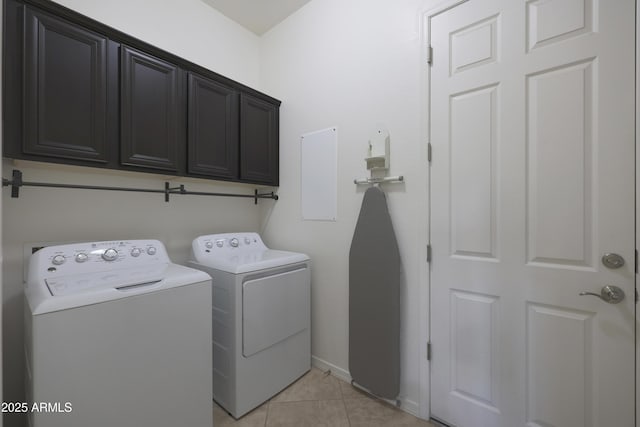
212	129
150	112
258	140
65	89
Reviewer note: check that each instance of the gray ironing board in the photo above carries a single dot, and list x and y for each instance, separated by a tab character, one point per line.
374	300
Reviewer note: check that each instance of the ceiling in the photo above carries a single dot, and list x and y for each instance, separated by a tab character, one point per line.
258	16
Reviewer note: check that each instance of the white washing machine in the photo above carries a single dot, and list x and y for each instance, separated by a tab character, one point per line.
117	335
261	317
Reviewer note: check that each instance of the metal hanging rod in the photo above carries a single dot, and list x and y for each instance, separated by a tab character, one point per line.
399	178
16	182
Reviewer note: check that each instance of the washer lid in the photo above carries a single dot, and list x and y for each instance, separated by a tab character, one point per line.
66	292
251	261
126	278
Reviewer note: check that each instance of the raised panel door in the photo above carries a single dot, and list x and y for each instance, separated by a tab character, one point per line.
212	129
532	182
65	89
151	109
258	140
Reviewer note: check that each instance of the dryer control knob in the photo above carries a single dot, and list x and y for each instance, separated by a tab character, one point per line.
247	240
82	257
110	254
151	250
219	243
135	252
208	245
58	260
234	242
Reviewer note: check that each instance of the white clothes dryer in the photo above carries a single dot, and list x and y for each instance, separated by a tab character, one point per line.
117	335
261	317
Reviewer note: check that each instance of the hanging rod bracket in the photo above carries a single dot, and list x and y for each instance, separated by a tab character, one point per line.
257	196
175	190
16	183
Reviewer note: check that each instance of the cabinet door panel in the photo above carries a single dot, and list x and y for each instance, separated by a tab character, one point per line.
150	112
258	140
212	129
65	89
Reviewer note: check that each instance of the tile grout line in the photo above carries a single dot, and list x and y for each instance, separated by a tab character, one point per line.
344	404
266	418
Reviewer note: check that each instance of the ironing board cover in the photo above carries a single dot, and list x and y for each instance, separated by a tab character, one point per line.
374	299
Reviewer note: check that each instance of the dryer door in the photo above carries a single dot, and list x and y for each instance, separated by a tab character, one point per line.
274	307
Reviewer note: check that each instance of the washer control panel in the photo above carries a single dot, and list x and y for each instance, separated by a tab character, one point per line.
227	244
79	258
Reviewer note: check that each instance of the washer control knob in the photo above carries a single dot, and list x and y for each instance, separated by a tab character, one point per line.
208	245
110	254
247	240
82	257
135	252
219	243
234	242
151	250
58	260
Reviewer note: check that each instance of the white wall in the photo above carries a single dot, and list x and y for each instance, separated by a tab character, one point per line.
355	65
190	29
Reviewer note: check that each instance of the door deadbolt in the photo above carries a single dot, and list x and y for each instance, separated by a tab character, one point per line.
613	261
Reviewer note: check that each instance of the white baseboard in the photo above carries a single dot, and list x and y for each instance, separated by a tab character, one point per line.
337	372
406	405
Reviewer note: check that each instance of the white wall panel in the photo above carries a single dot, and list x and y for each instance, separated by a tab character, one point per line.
319	174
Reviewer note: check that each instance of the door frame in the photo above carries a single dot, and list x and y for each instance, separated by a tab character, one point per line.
426	15
425	130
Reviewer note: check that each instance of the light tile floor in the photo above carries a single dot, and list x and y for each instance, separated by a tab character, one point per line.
318	399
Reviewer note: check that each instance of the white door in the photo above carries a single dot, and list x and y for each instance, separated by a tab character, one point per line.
532	181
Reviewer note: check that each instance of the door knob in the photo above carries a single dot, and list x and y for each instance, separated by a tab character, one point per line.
611	294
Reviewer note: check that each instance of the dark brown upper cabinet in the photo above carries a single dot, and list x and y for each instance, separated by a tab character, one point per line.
150	112
258	140
212	129
76	91
65	89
